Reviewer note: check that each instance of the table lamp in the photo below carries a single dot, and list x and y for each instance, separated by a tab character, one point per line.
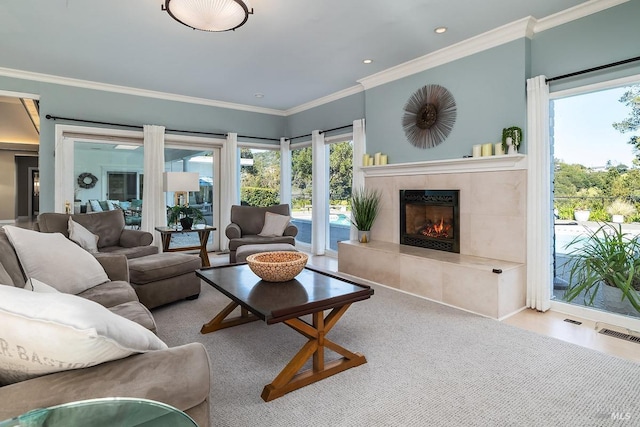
181	183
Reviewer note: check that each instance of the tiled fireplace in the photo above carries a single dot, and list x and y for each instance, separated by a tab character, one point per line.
487	275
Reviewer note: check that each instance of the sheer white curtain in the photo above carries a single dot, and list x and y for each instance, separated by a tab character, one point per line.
539	241
319	214
359	148
154	212
229	185
285	171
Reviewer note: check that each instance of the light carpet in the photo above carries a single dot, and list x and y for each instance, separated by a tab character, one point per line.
428	365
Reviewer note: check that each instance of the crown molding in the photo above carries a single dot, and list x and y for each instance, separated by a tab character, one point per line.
86	84
325	99
496	37
525	27
576	12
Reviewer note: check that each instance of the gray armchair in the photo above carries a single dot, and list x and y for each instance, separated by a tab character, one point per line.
247	222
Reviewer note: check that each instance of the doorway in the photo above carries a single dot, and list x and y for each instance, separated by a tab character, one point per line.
123	186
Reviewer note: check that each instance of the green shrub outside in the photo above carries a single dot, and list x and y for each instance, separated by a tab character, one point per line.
255	196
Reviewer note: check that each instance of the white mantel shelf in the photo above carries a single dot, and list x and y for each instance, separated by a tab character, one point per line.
471	164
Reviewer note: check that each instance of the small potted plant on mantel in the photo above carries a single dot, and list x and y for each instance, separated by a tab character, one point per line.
511	139
365	205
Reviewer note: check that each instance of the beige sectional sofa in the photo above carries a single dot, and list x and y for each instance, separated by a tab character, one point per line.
178	376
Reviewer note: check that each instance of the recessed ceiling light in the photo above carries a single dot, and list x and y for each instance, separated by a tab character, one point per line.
259	95
440	30
367	61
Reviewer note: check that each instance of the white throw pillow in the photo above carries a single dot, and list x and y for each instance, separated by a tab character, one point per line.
274	224
36	285
50	332
86	239
55	260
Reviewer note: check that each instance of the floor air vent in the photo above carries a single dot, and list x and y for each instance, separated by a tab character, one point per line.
620	335
575	322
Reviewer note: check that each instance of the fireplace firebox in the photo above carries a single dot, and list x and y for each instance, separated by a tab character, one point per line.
430	219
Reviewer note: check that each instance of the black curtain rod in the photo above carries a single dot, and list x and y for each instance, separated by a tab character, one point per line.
50	117
322	131
589	70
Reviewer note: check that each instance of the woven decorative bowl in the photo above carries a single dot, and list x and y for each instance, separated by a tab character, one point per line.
277	266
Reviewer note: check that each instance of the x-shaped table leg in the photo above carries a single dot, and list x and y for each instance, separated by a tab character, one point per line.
290	379
221	321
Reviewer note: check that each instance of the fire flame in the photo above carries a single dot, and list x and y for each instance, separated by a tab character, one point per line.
438	230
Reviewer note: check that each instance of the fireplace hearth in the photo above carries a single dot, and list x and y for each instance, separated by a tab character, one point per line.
430	219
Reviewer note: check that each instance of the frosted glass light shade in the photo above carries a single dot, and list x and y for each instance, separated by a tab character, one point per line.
209	15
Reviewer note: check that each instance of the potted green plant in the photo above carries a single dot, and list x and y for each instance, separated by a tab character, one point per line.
618	209
581	212
185	215
511	139
608	260
365	205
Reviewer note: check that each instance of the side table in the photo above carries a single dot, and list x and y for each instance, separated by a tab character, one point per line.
203	235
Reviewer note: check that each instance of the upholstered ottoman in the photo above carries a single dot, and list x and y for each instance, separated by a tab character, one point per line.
163	278
245	250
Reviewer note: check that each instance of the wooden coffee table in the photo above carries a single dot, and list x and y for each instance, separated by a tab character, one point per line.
311	292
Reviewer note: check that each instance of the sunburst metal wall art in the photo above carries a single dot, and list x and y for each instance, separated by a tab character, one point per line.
429	116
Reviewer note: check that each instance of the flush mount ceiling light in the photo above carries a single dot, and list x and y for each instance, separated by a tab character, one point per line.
440	30
209	15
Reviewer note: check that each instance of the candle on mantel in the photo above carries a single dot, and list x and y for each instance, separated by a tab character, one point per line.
383	159
499	149
377	158
477	150
365	160
487	149
370	161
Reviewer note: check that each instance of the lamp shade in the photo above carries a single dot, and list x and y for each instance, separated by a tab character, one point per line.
209	15
181	181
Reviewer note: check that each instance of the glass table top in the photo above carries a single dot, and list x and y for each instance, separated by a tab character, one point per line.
116	411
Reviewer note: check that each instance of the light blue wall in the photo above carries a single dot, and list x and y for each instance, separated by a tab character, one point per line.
608	36
87	104
489	89
328	116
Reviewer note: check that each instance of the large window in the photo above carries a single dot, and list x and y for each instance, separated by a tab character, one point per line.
596	192
114	173
340	178
204	163
301	191
259	177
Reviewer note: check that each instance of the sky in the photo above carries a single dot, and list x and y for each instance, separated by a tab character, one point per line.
583	131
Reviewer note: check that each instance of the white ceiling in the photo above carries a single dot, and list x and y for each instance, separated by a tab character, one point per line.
292	51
